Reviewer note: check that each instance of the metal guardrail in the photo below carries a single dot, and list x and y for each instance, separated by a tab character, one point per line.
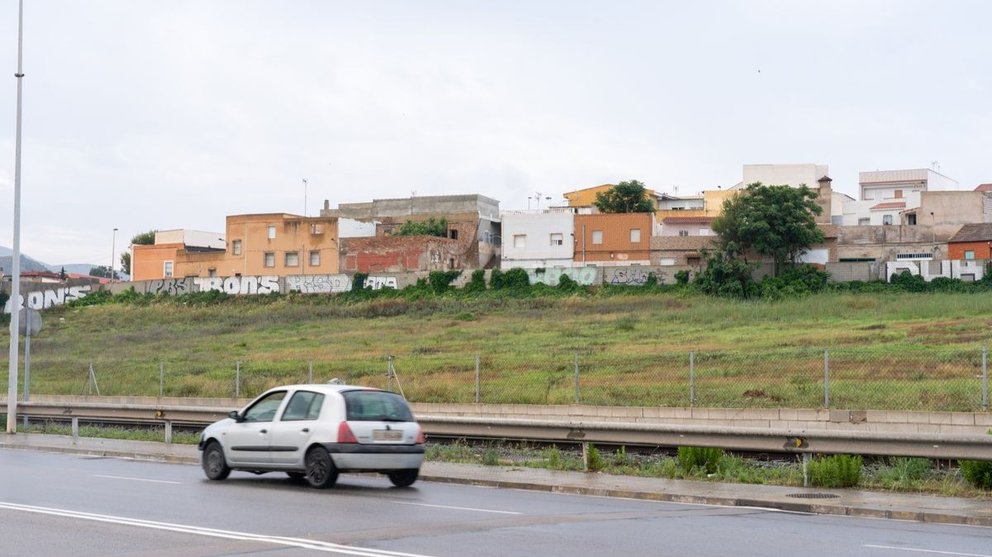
825	441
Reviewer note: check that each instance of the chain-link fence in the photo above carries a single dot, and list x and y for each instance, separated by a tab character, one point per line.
911	379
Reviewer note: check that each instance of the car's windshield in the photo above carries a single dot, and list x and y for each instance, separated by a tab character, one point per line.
383	406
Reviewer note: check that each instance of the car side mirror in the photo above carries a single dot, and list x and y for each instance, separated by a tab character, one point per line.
233	414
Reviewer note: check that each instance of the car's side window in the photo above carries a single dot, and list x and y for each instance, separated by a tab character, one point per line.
264	410
304	405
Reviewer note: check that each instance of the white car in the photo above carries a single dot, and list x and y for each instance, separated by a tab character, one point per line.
313	432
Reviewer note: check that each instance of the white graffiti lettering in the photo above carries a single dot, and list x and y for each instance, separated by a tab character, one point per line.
42	299
318	284
172	287
956	269
239	285
378	283
585	276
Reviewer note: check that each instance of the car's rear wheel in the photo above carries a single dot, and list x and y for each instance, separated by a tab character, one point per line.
214	464
321	472
404	478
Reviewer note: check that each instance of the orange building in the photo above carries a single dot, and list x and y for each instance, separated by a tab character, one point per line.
613	239
973	241
274	244
587	197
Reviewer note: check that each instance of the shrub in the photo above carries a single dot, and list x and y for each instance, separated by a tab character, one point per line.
703	458
477	283
727	277
977	472
429	227
682	277
835	471
594	459
440	281
568	284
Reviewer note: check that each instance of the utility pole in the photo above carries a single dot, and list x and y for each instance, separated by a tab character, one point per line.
15	279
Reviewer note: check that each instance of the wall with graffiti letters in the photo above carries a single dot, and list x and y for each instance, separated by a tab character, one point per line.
964	269
42	299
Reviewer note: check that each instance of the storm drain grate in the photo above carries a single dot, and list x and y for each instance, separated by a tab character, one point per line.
813	495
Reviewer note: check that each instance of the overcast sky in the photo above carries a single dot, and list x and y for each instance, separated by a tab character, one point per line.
143	114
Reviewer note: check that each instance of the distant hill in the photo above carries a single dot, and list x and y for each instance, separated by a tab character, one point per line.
29	264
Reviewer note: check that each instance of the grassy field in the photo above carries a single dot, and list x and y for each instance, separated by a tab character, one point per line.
889	350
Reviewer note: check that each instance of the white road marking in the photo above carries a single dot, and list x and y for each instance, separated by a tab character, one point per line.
326	547
455	508
931	551
135	479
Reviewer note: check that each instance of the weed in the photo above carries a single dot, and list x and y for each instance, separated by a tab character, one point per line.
835	471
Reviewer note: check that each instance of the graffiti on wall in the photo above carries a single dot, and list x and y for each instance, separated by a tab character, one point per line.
378	283
239	285
585	276
171	287
629	276
956	269
42	299
318	284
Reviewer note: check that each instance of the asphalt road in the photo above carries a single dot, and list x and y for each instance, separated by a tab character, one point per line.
68	505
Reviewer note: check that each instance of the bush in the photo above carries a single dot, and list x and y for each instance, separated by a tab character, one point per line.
727	277
835	471
440	281
594	459
682	277
977	472
703	458
477	283
567	284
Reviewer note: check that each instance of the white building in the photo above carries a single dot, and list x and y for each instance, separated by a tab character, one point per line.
796	175
884	195
538	240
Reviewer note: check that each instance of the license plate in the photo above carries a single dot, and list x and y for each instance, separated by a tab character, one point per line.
387	435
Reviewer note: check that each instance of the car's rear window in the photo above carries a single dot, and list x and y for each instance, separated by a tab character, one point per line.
372	406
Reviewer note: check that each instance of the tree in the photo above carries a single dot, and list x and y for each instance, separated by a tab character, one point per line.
143	239
102	271
625	197
429	227
62	275
778	221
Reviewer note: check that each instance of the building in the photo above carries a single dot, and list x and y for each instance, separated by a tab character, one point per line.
612	239
973	241
586	197
814	176
885	195
538	240
159	260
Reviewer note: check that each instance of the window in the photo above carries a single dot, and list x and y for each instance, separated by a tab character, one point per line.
705	232
911	219
236	247
519	240
269	259
265	409
597	236
913	256
635	235
292	259
272	232
683	233
886	219
557	239
898	194
315	258
666	261
969	254
453	234
212	272
304	405
864	222
167	268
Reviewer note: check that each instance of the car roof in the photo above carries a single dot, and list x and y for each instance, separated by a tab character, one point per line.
325	387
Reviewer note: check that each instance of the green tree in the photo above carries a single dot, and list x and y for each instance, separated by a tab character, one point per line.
778	221
102	271
626	197
143	239
429	227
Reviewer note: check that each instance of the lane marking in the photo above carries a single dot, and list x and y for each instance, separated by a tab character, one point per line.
303	543
473	509
135	479
931	551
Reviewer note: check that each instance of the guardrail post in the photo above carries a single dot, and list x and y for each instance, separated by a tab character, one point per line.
577	394
237	379
477	380
168	431
692	378
985	378
75	428
826	378
805	469
161	379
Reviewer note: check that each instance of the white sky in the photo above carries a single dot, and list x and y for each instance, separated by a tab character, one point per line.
143	114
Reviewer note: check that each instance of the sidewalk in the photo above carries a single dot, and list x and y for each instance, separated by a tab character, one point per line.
922	508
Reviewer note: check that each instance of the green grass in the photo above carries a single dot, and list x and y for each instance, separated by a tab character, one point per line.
886	350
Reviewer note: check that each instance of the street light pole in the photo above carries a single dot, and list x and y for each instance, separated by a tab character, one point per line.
15	279
113	248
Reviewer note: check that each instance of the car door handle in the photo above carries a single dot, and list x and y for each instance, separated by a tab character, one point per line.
306	430
263	431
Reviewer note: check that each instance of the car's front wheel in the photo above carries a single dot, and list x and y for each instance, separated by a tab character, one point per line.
404	478
321	472
214	464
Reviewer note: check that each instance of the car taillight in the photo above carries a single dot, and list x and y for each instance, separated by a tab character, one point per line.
345	435
421	438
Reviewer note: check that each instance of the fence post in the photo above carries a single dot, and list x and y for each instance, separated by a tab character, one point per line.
168	431
310	372
389	372
826	378
692	378
75	428
985	378
577	395
477	380
161	379
237	380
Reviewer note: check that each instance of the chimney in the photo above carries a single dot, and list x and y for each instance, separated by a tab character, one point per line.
823	199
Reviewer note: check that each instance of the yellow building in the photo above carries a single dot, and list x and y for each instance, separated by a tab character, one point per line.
274	244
